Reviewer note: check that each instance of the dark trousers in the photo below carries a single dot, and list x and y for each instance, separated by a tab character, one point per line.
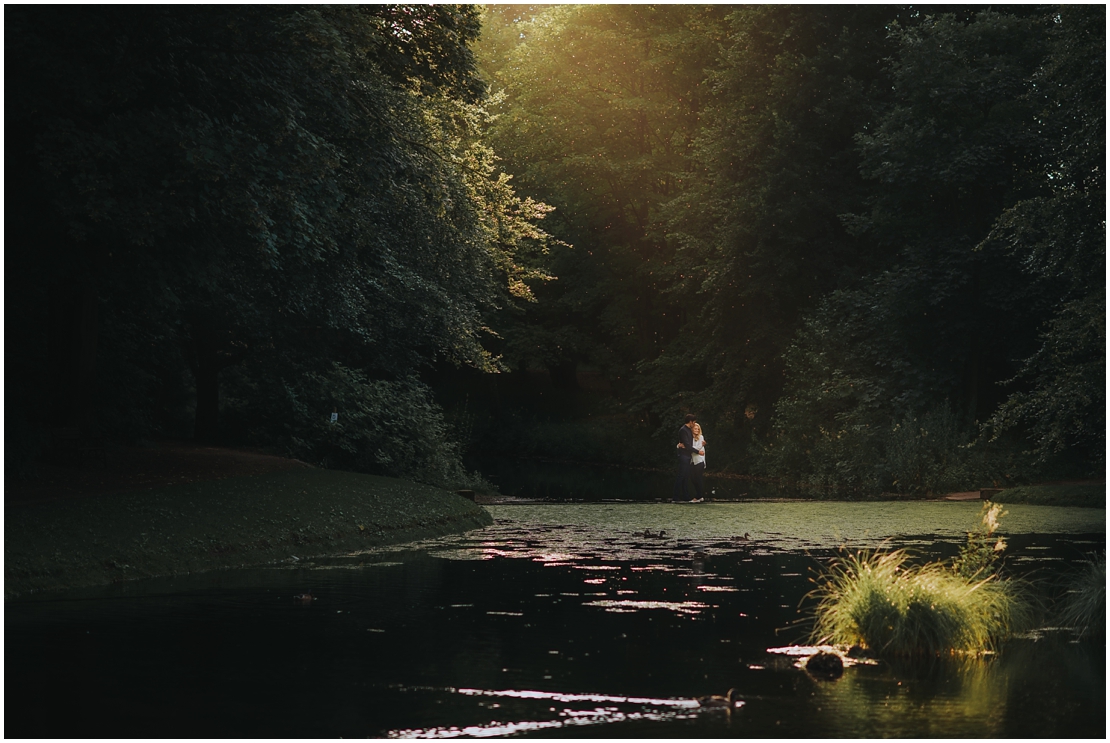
697	477
681	480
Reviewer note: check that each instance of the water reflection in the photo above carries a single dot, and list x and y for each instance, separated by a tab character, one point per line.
566	621
627	606
617	710
986	697
567	718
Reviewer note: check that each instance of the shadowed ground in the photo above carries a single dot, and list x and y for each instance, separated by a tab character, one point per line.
122	468
180	508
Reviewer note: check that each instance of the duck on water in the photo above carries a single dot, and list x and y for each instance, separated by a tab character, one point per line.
729	701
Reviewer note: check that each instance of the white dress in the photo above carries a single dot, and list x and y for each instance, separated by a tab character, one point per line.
696	458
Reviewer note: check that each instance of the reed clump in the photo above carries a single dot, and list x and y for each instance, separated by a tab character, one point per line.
1085	605
881	601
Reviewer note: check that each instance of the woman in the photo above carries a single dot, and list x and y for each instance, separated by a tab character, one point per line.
697	465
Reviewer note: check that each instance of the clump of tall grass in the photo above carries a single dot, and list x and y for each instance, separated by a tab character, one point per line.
881	601
1085	605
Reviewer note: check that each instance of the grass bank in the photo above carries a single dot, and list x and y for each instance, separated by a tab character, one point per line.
1089	495
214	524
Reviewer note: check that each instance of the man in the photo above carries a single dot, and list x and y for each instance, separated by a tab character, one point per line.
685	449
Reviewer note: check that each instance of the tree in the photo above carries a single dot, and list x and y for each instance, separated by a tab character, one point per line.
295	186
1059	235
601	105
758	226
941	322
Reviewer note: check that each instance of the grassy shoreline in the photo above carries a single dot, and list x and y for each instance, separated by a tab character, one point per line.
216	524
264	519
1083	494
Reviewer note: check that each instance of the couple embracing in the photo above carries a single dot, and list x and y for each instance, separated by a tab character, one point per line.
691	461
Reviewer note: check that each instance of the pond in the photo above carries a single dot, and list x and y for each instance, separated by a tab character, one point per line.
560	620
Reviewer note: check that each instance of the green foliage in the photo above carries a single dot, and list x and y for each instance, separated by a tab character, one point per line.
920	452
864	219
936	453
757	226
600	107
881	601
384	427
1085	604
301	185
1066	406
1090	495
1060	236
849	236
599	439
825	448
941	320
950	316
980	557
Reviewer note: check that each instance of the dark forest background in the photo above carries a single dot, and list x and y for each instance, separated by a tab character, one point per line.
865	244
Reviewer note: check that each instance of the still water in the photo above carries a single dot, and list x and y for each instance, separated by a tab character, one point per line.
571	620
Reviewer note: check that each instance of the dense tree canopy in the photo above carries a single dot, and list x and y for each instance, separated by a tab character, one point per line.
865	243
1059	234
273	197
851	237
601	108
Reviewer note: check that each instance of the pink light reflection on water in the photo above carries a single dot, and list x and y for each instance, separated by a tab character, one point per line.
628	605
672	709
555	558
569	719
